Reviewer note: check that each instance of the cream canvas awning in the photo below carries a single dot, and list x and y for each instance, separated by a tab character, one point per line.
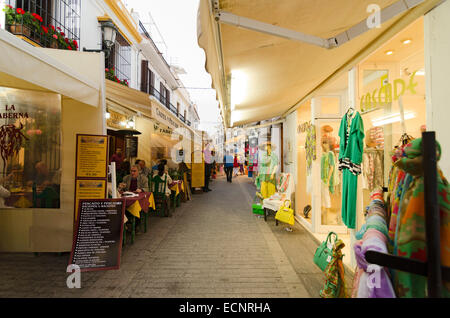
281	73
46	69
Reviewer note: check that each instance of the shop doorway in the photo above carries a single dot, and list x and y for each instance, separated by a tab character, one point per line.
329	189
116	140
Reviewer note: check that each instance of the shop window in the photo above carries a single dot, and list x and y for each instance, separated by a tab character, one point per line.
306	155
30	139
392	102
330	177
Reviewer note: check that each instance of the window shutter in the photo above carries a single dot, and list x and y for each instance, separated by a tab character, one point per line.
152	82
144	76
162	91
167	98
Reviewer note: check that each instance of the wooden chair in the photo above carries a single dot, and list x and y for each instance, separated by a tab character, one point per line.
158	187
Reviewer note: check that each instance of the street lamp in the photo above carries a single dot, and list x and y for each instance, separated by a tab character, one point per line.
109	32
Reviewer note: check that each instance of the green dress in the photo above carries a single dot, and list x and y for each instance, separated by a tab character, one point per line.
267	165
351	149
327	162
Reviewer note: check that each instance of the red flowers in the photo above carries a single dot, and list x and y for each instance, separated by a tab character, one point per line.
75	43
37	17
69	48
52	27
9	6
55	36
20	11
66	40
63	34
44	28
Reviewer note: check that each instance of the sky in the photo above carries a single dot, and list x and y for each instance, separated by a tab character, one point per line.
176	20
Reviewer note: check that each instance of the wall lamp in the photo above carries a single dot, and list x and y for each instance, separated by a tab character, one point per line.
109	32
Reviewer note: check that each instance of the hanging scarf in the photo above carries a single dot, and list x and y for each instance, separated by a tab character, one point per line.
334	273
410	239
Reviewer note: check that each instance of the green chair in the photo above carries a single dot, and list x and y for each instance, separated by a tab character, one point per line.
158	187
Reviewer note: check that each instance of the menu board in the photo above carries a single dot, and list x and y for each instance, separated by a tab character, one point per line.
131	144
92	156
97	242
89	189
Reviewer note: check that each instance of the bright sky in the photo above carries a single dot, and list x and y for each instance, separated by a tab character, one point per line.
177	22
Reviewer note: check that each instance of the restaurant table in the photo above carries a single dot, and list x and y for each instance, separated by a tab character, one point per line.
176	187
134	205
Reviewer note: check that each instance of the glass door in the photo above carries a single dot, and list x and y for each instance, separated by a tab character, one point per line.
328	181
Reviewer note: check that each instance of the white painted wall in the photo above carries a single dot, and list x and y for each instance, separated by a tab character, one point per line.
90	32
437	67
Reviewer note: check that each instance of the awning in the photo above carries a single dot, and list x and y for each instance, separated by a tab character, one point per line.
47	70
281	73
129	98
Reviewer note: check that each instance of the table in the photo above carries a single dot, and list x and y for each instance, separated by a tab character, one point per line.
134	205
176	187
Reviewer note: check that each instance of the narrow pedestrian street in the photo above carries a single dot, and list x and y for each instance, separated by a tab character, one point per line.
213	246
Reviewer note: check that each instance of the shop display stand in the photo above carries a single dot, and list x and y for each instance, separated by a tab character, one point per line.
432	268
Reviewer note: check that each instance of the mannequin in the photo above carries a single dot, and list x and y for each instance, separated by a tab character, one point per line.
327	175
268	170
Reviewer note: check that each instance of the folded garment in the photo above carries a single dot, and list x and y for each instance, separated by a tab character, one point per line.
373	280
373	222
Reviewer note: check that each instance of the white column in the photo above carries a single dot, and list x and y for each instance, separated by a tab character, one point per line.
437	68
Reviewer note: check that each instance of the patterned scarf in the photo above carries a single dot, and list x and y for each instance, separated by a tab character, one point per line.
334	273
410	238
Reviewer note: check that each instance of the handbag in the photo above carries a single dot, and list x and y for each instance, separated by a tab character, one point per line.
285	214
324	252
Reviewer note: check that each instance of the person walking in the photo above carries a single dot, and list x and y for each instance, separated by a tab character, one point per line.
235	166
228	165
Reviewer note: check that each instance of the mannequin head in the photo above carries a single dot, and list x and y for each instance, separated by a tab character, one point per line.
325	145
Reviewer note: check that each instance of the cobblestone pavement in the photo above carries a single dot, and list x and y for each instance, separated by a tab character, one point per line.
212	246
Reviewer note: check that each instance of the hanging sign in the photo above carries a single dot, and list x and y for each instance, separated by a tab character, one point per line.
387	93
115	120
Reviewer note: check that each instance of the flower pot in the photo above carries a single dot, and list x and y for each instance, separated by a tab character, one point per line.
54	45
20	29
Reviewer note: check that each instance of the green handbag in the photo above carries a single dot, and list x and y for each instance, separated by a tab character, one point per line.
324	252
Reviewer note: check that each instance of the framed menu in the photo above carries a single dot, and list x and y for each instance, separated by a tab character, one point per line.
92	156
97	241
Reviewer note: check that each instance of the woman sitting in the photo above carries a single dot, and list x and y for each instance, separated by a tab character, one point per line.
162	173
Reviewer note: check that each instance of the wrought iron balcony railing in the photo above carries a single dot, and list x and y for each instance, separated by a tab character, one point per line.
51	24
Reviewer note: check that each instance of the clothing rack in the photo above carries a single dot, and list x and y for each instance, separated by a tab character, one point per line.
432	268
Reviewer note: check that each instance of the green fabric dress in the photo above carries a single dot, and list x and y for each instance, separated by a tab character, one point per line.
351	149
267	164
327	162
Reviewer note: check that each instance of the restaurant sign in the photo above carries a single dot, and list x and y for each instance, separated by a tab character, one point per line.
162	116
115	120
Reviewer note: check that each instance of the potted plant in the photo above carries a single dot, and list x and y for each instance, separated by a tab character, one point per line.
18	20
36	21
52	37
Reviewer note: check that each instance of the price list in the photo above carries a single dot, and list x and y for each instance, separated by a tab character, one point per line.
98	236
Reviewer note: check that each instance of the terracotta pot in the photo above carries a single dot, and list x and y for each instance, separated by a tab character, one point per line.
54	45
20	29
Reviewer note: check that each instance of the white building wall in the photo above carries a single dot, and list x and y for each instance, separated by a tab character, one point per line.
90	31
437	68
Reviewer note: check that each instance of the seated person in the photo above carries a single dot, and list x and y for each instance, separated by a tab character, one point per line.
145	171
134	182
164	176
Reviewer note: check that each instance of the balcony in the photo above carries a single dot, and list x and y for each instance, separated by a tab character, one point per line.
154	92
42	24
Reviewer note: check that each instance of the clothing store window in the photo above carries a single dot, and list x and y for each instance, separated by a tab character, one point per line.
30	139
330	177
392	102
306	155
